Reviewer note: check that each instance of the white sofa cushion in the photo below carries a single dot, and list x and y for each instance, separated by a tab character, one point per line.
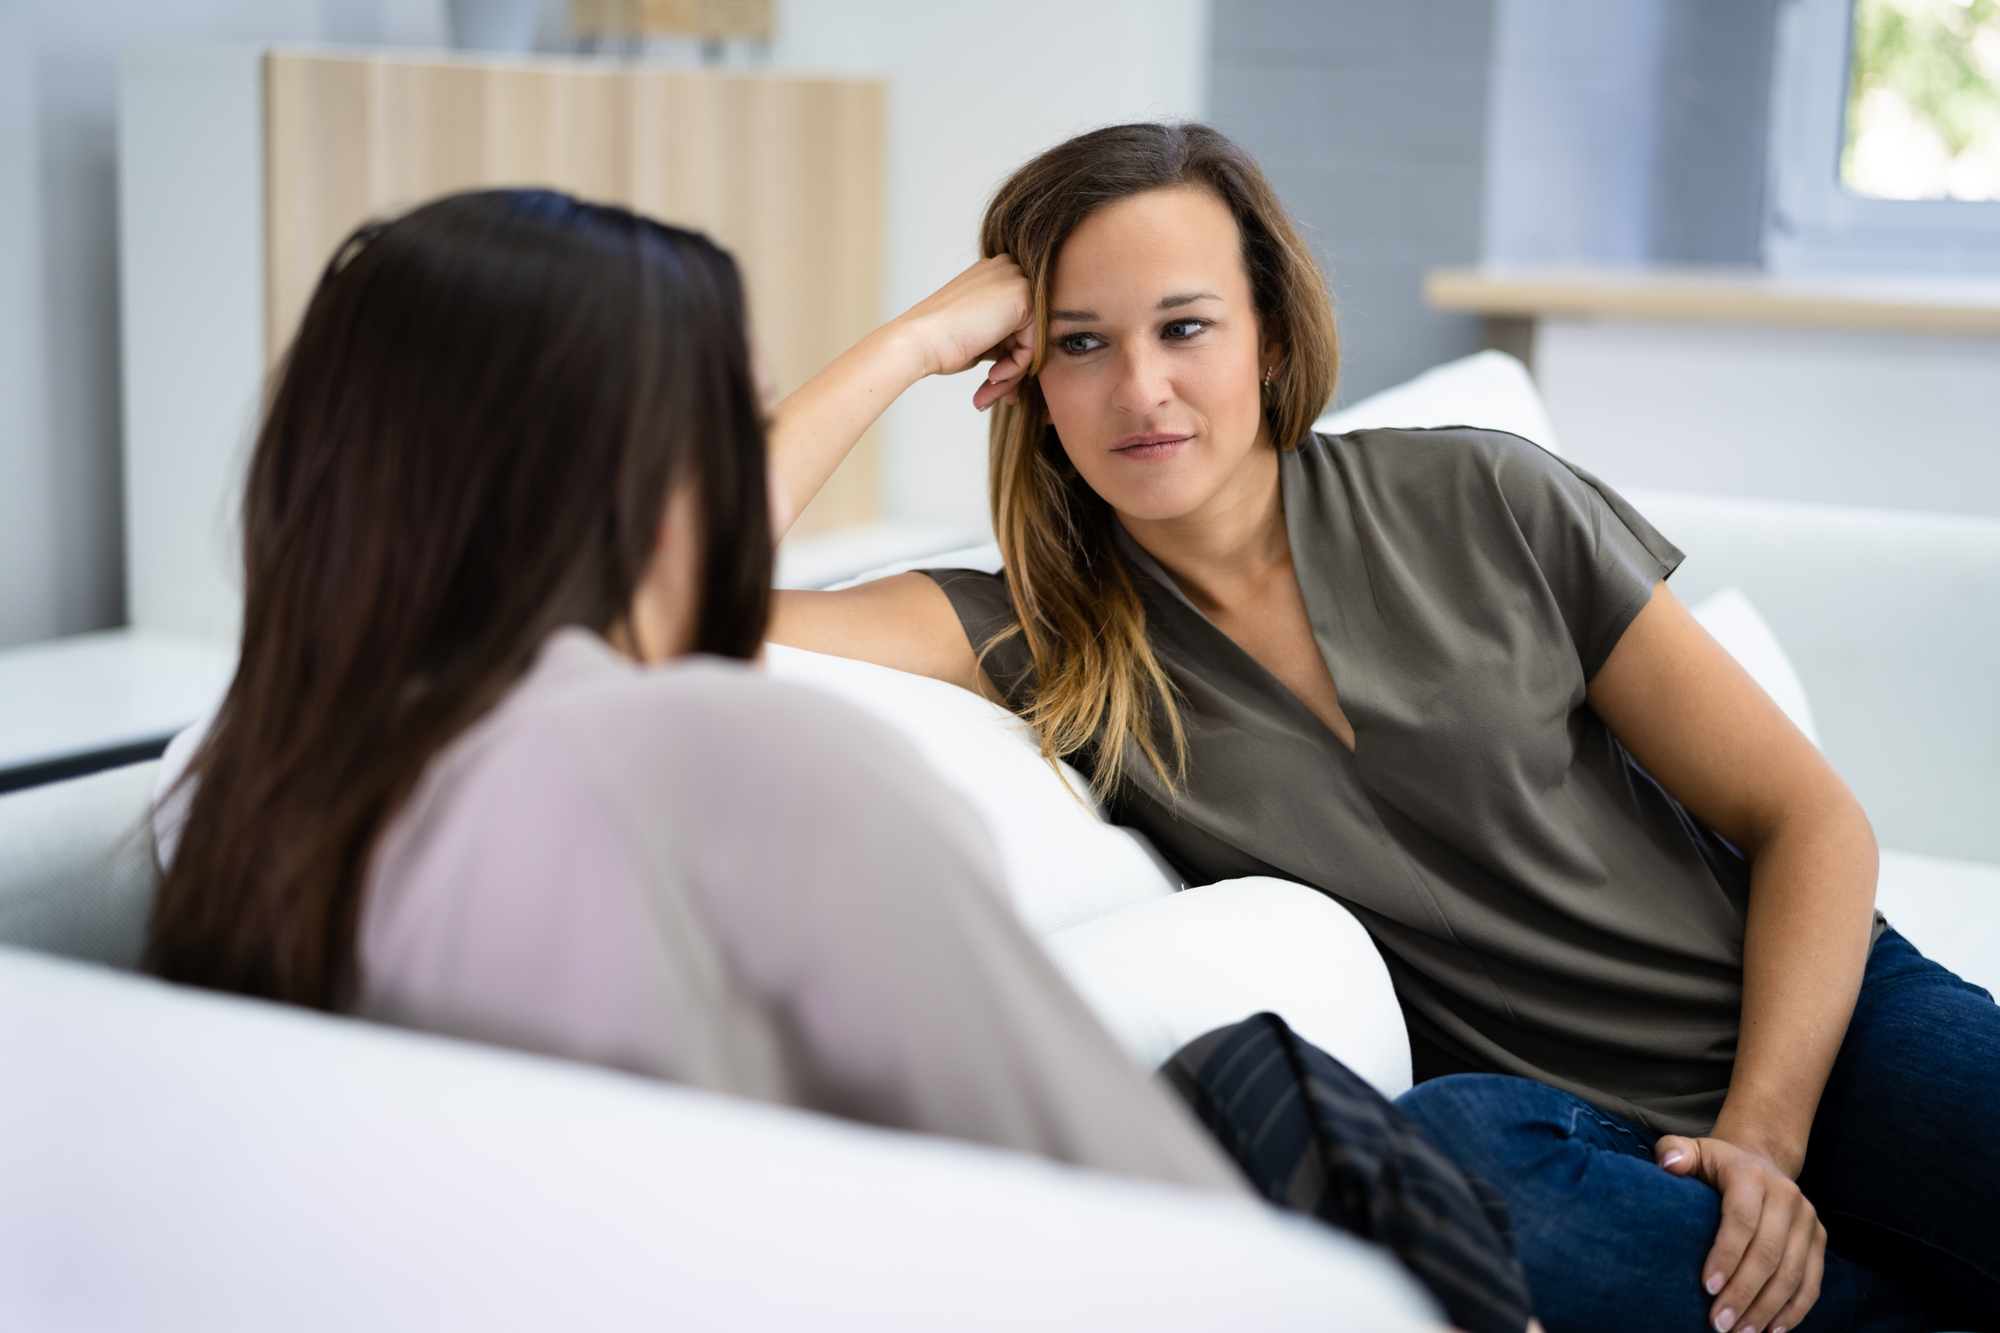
1490	390
77	876
1949	909
1893	620
1062	862
1162	973
177	1160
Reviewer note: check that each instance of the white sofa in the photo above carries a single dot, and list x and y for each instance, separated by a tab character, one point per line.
175	1159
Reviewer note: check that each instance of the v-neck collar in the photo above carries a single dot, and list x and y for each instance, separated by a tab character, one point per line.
1290	498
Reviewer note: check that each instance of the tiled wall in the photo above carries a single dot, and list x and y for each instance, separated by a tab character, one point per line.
1371	120
1628	131
1431	132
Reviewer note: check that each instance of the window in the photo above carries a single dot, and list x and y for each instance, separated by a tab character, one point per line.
1885	136
1923	100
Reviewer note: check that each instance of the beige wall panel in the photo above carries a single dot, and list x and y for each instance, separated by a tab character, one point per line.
319	176
787	173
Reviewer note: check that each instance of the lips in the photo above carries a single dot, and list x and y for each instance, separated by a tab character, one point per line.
1150	448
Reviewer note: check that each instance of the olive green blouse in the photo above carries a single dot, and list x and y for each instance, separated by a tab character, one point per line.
1545	908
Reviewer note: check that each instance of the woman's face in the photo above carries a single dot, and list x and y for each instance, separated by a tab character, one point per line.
1155	361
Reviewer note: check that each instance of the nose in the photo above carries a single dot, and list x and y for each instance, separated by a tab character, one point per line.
1144	382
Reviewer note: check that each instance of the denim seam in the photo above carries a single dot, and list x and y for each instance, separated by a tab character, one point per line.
1583	1108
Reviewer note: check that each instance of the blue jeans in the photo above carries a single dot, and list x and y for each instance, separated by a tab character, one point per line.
1903	1166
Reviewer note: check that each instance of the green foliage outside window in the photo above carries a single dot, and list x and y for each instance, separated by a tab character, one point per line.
1923	103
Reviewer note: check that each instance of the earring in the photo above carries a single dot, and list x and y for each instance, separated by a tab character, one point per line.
1270	375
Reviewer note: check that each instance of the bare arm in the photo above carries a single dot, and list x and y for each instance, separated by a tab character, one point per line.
904	622
1700	725
981	315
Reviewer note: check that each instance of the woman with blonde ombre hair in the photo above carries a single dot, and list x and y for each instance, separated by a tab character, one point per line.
1438	675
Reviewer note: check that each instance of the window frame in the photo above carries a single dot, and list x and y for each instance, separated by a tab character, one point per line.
1811	220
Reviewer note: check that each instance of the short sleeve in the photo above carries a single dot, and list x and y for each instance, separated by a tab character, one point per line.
986	608
1598	555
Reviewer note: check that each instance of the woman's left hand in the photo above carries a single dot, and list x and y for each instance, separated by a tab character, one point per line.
1769	1254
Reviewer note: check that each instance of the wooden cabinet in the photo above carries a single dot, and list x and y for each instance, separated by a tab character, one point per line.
241	171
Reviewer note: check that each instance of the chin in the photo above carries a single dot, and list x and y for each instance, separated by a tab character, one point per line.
1159	500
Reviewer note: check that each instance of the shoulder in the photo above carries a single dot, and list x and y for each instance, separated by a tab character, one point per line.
1442	458
975	593
585	724
1465	473
985	607
715	721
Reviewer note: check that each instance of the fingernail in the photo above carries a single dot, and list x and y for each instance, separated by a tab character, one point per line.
1724	1320
1777	1328
1671	1158
1714	1283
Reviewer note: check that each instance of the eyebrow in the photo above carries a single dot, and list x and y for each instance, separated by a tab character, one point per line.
1175	301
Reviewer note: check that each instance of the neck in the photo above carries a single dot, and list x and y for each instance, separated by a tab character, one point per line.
1231	545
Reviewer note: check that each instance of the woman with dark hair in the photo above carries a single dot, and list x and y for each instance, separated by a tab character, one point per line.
1628	908
492	763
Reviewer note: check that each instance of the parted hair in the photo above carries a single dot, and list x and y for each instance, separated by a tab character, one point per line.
470	444
1099	688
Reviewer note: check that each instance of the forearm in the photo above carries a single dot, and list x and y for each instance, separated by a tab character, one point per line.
816	425
1812	900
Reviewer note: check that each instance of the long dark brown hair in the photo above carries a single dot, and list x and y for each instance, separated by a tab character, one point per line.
1099	688
469	445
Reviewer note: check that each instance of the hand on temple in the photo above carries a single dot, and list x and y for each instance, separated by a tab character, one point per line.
984	314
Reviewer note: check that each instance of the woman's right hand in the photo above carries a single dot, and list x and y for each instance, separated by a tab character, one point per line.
984	314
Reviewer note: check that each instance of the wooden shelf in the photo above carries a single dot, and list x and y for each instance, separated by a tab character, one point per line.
1959	307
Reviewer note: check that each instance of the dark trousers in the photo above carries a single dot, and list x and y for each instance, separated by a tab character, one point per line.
1903	1166
1314	1138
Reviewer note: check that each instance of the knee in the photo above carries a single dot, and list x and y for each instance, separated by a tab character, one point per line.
1477	1118
1465	1100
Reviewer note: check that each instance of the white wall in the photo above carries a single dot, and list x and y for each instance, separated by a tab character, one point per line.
61	548
1570	129
976	89
1896	421
1370	120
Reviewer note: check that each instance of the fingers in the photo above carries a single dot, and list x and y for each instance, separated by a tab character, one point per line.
1788	1278
1677	1155
1784	1245
1769	1256
1737	1267
1004	380
1802	1300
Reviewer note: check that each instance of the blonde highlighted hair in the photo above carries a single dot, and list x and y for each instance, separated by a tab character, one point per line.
1099	687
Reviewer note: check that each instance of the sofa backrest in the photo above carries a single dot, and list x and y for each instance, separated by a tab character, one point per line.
77	873
1893	622
179	1160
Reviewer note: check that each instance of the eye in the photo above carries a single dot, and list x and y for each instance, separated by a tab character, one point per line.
1182	329
1076	344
